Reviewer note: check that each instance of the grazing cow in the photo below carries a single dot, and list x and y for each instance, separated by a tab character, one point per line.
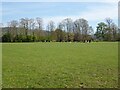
86	41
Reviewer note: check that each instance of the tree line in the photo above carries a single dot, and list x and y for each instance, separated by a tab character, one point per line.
31	30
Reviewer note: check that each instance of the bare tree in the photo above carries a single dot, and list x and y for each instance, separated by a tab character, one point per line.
82	28
77	30
40	23
60	26
109	22
25	22
68	27
31	22
51	28
9	27
114	31
91	31
22	25
68	24
40	27
13	29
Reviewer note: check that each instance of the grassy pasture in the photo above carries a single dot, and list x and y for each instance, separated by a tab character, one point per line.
60	65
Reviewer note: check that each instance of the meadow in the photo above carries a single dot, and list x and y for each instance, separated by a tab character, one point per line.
60	65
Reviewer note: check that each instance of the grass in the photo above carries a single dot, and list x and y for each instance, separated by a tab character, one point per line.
60	65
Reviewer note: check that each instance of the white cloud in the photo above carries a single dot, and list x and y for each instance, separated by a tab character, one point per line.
94	14
101	13
98	13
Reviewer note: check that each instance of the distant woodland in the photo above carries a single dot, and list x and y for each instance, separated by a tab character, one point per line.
31	30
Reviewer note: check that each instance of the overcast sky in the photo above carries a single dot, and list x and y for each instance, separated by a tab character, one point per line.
94	12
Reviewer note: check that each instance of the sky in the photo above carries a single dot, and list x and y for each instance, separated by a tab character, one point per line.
94	12
116	1
119	14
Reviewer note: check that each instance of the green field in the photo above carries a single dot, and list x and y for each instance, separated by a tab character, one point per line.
60	65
